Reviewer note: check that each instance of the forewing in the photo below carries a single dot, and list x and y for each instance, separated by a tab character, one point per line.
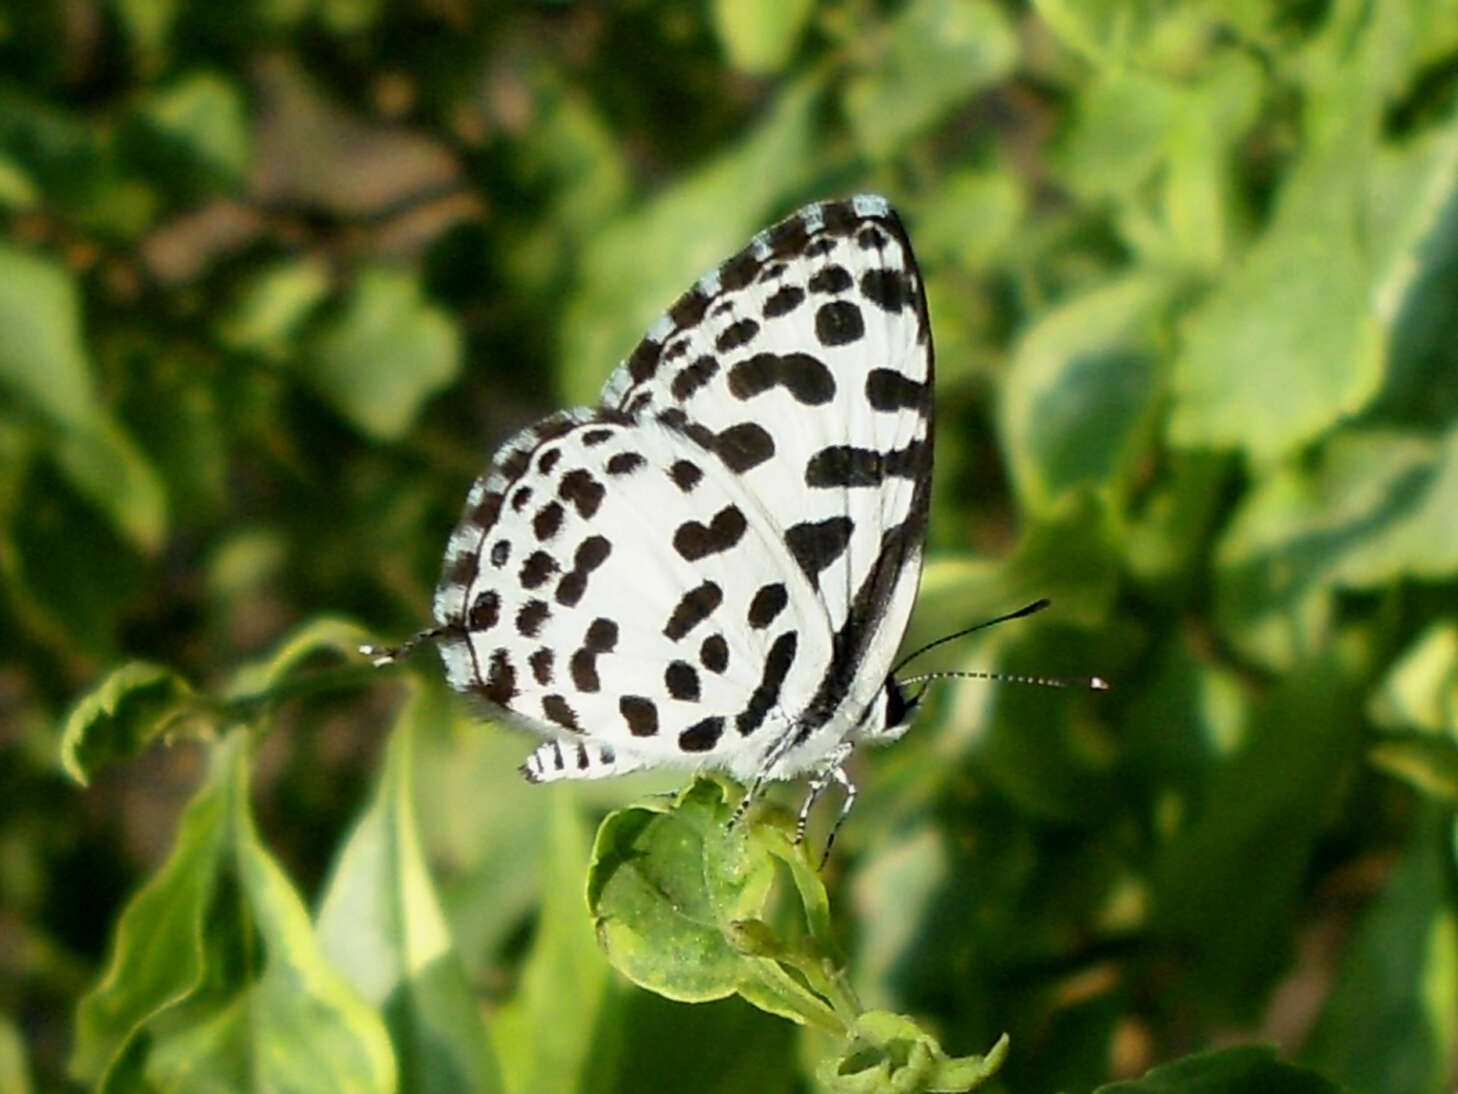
613	586
805	362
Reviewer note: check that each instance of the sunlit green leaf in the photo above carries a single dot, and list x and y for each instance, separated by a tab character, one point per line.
215	979
1081	388
670	885
276	302
14	1070
381	927
198	123
760	36
1420	690
1289	343
887	1052
122	715
387	352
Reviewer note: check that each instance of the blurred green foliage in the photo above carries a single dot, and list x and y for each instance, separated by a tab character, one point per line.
277	276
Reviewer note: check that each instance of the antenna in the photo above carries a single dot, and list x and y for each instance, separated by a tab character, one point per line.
1092	683
1036	606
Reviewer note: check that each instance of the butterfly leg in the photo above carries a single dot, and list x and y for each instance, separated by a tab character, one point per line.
830	772
775	754
841	777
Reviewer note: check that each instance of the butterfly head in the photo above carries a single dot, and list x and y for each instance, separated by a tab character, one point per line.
894	709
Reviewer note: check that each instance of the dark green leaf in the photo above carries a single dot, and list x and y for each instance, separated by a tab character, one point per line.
1249	1068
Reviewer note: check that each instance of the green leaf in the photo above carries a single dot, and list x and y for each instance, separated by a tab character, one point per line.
198	125
1289	343
682	232
1379	505
670	888
44	366
1389	1021
14	1068
973	219
889	1054
1083	384
1420	690
545	1034
158	950
215	979
385	354
122	715
935	55
1227	885
760	36
273	306
1244	1068
381	926
280	673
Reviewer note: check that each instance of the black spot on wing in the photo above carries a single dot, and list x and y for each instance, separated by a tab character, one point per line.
541	662
582	490
714	653
641	715
783	300
889	390
744	447
625	463
888	289
694	540
831	279
694	376
548	460
768	602
500	552
736	334
520	497
556	709
767	693
500	678
701	736
682	681
693	608
845	465
816	544
594	437
803	376
485	611
530	617
685	474
548	520
839	323
536	569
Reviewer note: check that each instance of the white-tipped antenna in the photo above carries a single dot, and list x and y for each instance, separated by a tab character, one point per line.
380	656
1092	683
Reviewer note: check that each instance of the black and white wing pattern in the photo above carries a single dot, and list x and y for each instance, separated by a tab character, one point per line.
714	567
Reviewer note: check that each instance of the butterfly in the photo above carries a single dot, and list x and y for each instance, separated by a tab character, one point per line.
714	567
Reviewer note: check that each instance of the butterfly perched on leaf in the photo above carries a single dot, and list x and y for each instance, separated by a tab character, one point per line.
714	566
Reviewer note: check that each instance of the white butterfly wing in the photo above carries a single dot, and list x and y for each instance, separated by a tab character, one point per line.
806	361
596	596
617	590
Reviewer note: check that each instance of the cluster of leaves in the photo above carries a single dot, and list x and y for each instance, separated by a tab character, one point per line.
276	276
